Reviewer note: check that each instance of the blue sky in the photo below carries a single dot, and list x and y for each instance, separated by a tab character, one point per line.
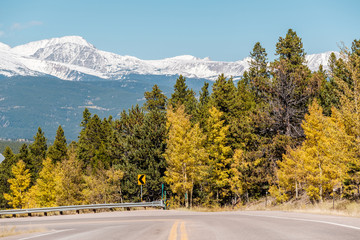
222	30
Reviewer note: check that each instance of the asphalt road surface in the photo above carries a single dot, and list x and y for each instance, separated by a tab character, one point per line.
184	225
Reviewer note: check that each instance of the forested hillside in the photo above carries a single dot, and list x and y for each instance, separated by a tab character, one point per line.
281	129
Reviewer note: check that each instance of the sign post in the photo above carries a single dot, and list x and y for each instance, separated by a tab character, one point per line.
141	182
162	191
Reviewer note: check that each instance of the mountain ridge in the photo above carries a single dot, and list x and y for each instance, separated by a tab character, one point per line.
72	58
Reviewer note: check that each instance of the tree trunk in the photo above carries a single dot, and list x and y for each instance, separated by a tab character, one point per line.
321	185
191	197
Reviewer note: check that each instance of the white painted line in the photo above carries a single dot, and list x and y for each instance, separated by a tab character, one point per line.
306	220
45	234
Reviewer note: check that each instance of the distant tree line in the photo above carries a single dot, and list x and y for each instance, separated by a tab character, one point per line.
280	129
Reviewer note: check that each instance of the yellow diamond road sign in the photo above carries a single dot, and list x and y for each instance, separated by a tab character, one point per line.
141	179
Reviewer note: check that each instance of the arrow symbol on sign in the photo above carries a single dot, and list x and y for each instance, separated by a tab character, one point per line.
141	179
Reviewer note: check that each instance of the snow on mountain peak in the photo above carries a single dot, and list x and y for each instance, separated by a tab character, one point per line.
74	39
315	60
30	48
183	58
73	58
3	46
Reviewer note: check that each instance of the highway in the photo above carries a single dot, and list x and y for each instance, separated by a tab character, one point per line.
184	225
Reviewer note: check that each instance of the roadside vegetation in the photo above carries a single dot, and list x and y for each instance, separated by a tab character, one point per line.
6	231
280	131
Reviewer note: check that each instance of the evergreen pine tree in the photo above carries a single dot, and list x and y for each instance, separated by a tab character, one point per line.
24	154
182	95
94	141
86	118
223	97
202	110
128	132
37	153
58	151
291	49
258	76
6	174
155	99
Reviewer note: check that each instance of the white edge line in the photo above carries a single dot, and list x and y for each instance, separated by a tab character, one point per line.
306	220
44	234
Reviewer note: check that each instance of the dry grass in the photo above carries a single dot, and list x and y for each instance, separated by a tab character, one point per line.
341	207
6	231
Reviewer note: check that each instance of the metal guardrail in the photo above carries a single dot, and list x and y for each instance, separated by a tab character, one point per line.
29	211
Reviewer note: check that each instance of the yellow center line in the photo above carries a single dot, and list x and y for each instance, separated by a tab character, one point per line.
183	231
173	232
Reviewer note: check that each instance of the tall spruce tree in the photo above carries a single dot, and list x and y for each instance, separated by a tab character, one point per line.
24	154
291	79
128	132
328	97
58	151
258	76
143	145
182	95
93	143
6	174
202	110
223	97
155	99
38	151
291	49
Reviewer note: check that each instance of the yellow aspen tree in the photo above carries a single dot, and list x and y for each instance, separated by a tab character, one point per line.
291	175
18	186
219	154
113	190
94	191
185	154
102	186
349	112
45	191
324	152
70	180
236	179
340	150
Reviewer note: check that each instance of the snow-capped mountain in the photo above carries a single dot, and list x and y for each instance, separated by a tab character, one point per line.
73	58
